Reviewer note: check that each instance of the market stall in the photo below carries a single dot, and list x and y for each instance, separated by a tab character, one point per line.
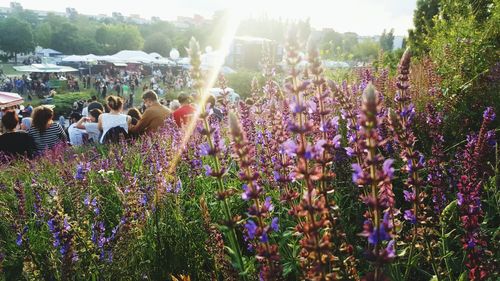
10	99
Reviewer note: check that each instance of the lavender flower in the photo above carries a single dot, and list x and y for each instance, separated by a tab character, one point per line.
216	146
267	253
469	200
375	175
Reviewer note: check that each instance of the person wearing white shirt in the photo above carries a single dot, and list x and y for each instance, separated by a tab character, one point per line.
114	118
89	124
85	111
75	135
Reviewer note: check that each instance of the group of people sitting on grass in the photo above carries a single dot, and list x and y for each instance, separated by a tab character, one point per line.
101	124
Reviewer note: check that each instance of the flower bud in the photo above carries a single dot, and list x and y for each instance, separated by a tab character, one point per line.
370	98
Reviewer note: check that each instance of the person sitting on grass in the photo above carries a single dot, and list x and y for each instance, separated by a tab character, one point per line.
89	124
174	105
44	130
93	103
115	118
75	134
183	114
154	116
13	142
135	114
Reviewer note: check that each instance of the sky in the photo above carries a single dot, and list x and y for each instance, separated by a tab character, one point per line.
365	17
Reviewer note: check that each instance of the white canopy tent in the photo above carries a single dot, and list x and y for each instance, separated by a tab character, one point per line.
134	56
45	68
156	55
110	59
75	58
139	59
91	57
164	61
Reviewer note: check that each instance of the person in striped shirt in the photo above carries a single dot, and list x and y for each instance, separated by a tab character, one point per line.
44	130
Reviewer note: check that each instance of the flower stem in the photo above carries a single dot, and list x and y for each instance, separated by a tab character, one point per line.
233	238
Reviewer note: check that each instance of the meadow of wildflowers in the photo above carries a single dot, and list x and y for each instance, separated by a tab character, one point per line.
308	179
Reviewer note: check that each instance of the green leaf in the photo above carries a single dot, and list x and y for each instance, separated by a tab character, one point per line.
449	210
463	276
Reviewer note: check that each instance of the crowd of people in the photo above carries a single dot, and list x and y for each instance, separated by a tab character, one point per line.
38	84
96	123
122	82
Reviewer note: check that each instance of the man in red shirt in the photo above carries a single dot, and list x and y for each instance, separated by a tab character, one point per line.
183	114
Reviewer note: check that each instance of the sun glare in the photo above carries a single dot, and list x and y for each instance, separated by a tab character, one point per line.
229	26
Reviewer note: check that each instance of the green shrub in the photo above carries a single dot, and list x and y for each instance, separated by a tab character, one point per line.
241	81
63	102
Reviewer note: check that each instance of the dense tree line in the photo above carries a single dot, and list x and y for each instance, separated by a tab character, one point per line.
22	30
80	34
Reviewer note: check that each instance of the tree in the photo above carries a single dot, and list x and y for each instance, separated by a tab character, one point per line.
101	35
16	37
331	43
423	22
159	43
304	30
366	51
65	38
387	40
71	13
350	40
27	15
43	35
117	37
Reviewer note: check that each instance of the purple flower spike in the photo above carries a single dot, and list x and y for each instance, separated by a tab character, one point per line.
178	186
409	216
357	173
19	239
246	193
208	170
409	195
489	115
275	224
377	236
491	138
388	169
336	141
86	201
264	238
350	152
251	227
268	205
391	253
204	149
290	148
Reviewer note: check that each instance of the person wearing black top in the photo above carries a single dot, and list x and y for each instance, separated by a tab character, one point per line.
15	143
104	90
95	105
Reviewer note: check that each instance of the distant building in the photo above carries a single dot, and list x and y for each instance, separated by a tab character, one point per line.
187	22
71	12
6	11
137	19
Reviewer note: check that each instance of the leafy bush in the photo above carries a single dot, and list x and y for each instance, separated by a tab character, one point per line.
462	42
241	81
63	102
